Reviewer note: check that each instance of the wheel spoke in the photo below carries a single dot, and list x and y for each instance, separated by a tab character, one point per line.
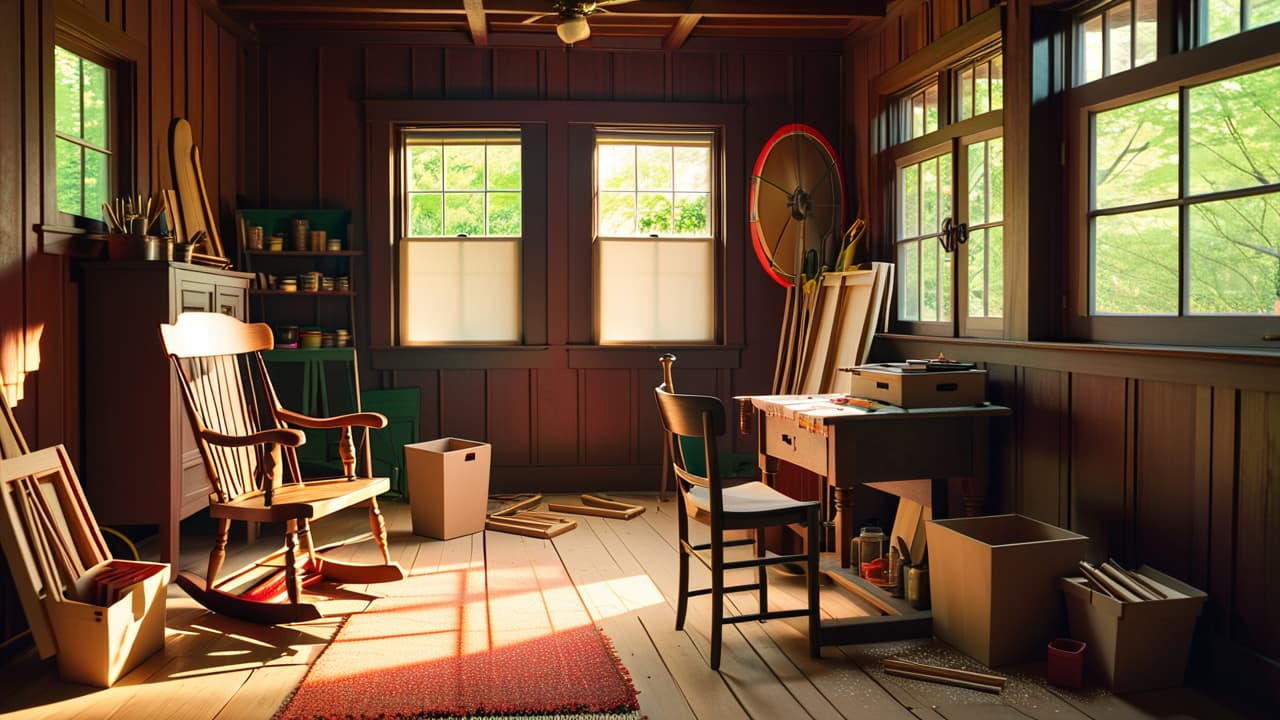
773	250
772	184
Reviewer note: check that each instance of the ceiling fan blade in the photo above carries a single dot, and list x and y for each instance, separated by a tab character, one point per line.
535	18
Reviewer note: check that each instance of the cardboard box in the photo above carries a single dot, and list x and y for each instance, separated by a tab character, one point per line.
1135	645
98	644
448	486
918	389
995	584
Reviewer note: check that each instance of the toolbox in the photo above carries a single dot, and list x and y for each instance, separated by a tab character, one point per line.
902	385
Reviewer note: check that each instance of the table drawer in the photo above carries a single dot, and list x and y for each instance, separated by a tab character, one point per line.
787	441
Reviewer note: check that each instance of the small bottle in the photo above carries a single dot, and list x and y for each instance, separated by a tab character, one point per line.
894	581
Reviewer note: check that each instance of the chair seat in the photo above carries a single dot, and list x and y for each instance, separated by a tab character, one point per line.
292	501
747	499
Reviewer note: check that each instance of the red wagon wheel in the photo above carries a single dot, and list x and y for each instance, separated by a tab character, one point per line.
796	204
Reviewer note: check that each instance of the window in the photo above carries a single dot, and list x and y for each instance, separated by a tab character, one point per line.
919	111
1223	18
655	239
1115	38
1184	215
460	236
949	208
82	146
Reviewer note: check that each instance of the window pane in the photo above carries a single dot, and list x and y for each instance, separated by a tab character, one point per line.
1263	12
653	168
463	212
461	291
997	82
978	183
693	212
95	103
66	69
944	189
910	201
1119	33
464	167
935	282
909	289
1224	18
69	177
1235	133
655	213
426	167
995	272
1136	153
693	169
656	291
977	280
1091	49
981	89
426	214
1144	32
930	109
995	156
929	196
504	167
966	93
1136	263
504	213
97	182
617	167
1235	255
617	214
917	116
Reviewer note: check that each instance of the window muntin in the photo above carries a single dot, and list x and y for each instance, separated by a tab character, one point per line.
655	239
1117	37
984	218
460	251
82	147
1195	232
1223	18
924	202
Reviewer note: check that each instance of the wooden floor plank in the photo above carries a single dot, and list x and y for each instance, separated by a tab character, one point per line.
260	695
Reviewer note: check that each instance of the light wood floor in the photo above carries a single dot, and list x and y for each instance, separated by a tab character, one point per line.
625	575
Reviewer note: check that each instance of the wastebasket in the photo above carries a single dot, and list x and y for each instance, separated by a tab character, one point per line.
448	486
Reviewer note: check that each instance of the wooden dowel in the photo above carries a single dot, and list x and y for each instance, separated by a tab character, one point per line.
1113	589
597	511
511	508
956	673
1120	577
984	687
1139	579
603	502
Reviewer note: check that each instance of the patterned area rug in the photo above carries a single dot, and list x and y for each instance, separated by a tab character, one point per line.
455	644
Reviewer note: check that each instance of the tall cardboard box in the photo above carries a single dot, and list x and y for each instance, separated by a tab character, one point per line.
994	583
448	486
1135	645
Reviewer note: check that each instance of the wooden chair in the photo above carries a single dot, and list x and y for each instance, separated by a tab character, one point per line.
248	449
734	467
748	506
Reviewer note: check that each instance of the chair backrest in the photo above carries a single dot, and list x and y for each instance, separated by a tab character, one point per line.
699	417
226	390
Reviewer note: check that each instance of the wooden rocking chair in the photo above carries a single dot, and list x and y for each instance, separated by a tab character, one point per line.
248	448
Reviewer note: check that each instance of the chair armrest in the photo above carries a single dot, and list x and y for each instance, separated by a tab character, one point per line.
361	419
280	436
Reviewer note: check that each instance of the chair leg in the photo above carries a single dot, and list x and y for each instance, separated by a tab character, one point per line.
717	595
379	527
682	595
219	552
811	583
291	584
762	575
305	543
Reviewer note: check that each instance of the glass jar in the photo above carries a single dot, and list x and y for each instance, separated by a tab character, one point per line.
869	550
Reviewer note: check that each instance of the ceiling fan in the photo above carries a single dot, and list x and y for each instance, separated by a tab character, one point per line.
572	27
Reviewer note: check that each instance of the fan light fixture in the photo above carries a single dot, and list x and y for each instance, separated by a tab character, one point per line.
573	28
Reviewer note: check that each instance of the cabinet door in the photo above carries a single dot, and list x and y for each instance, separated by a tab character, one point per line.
230	301
193	296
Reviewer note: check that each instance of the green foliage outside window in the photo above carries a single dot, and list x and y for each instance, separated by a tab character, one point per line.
81	151
1231	244
650	189
464	188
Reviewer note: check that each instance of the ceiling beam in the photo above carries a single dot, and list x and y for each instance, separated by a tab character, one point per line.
675	39
476	22
780	9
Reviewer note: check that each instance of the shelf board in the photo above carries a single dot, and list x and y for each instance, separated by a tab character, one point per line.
303	253
333	293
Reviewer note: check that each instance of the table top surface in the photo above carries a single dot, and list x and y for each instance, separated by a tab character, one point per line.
822	408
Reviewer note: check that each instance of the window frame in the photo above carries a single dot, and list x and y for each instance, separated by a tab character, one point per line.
951	137
714	240
1228	57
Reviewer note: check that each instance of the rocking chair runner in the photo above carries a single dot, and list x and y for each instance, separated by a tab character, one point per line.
247	447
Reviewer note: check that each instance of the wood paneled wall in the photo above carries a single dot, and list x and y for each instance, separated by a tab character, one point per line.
186	59
573	416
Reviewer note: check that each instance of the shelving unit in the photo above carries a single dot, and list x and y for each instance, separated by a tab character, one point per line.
279	307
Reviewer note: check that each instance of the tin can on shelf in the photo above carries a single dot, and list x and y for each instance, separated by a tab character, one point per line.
319	240
253	237
276	243
334	244
287	283
299	232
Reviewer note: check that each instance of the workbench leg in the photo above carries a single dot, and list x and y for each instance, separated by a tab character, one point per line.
844	524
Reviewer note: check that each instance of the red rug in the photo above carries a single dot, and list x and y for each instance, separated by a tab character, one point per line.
455	644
